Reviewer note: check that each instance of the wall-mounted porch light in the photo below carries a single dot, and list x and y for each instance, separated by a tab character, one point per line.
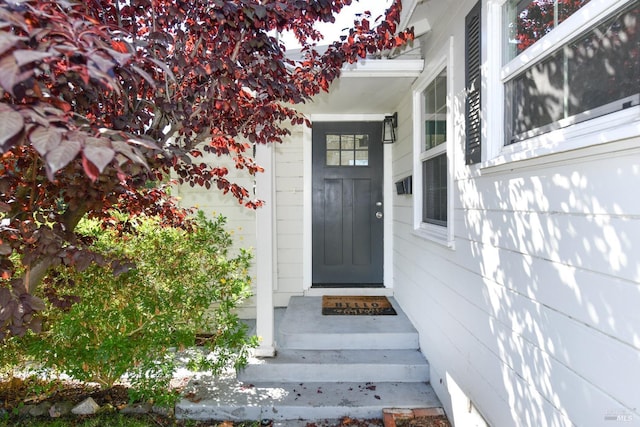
389	126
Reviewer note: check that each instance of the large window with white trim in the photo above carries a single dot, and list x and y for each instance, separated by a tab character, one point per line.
434	153
589	67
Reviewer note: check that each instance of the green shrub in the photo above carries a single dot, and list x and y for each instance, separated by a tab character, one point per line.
183	283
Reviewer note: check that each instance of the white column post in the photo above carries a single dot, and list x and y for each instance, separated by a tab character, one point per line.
265	217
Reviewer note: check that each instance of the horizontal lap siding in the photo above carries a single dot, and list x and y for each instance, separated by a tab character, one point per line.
241	221
536	312
289	218
604	244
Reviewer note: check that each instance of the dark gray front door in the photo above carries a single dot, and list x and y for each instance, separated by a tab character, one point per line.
347	204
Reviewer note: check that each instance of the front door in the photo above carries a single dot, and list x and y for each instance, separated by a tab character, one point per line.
347	229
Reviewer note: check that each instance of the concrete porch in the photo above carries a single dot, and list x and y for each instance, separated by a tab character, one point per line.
326	367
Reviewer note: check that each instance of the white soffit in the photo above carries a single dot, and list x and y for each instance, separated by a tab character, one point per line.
371	86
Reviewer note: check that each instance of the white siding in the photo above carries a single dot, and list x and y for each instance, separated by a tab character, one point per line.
535	315
289	218
241	221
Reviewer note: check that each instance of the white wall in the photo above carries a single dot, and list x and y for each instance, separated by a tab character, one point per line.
289	218
534	318
241	221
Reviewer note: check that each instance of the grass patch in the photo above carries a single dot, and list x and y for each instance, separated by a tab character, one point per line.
107	420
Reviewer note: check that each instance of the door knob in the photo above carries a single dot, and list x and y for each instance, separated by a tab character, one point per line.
378	215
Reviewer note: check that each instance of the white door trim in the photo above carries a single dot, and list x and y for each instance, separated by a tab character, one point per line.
307	210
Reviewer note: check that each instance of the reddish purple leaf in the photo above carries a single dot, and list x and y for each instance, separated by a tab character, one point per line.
32	303
27	56
10	73
102	63
144	75
60	156
11	123
90	169
99	152
44	139
120	58
8	41
144	143
132	153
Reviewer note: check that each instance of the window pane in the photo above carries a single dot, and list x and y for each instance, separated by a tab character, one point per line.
347	142
362	142
441	92
436	133
333	158
362	158
434	199
435	108
596	74
430	99
333	142
347	150
607	61
566	8
347	158
529	20
536	97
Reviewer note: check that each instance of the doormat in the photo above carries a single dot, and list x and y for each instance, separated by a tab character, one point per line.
357	306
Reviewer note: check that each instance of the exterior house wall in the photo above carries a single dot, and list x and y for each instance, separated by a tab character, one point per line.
531	317
289	200
241	221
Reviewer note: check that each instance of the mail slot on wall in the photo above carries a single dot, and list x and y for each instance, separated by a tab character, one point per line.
404	186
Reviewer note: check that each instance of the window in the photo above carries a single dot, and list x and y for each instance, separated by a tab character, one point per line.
347	150
434	153
433	150
529	20
434	198
593	71
433	143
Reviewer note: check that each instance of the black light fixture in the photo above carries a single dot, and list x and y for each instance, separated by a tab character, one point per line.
389	126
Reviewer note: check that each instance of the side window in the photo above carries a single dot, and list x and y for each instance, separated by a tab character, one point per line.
591	73
434	152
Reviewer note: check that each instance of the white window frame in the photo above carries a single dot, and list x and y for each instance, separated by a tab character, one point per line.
437	233
611	127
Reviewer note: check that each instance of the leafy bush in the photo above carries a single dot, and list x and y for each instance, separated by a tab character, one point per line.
180	282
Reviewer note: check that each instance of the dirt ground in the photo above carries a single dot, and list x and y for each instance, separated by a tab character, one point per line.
17	391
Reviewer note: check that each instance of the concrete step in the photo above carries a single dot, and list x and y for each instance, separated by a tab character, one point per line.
339	366
304	327
216	398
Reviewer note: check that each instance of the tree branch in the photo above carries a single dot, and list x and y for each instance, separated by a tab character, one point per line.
36	272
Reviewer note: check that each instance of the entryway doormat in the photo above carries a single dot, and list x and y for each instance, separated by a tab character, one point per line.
357	306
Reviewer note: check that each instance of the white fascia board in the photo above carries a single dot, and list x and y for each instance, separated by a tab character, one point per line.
383	68
408	7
